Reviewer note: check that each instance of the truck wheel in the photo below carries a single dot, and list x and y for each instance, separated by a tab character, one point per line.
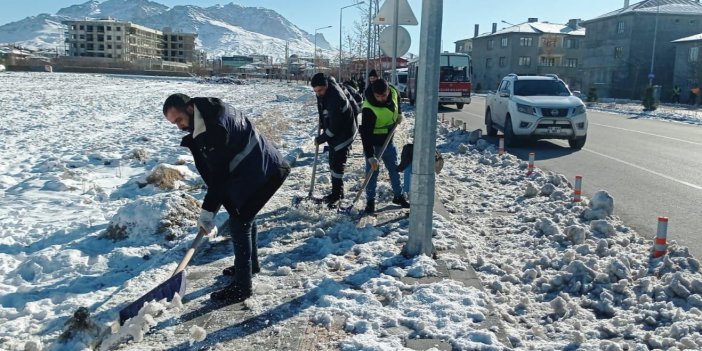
459	105
577	143
511	140
491	131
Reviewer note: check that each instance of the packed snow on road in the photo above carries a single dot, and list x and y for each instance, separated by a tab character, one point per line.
98	204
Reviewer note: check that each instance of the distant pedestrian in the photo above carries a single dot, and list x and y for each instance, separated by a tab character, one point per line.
406	166
372	76
676	95
694	95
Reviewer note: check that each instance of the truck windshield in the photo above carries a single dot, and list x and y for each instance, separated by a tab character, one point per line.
540	88
454	68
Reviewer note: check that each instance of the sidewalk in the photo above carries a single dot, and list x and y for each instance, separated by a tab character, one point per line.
284	315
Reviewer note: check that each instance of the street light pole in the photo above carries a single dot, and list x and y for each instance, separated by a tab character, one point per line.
653	50
315	46
341	15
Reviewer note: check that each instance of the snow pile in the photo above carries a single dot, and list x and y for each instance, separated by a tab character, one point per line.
165	215
565	275
667	112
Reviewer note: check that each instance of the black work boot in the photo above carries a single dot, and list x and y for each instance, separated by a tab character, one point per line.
337	193
229	271
232	293
401	200
370	207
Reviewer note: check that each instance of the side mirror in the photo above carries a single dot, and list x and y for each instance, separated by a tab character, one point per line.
504	93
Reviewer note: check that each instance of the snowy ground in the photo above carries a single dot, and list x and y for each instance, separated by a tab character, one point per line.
82	224
665	112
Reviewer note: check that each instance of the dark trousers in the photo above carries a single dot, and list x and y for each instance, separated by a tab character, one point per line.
244	232
337	166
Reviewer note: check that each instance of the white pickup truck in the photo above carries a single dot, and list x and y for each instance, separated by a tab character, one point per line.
536	107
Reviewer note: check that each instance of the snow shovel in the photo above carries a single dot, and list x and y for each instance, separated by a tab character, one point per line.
166	290
369	174
298	200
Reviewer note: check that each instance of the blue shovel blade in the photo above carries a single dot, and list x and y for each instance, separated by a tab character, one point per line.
166	290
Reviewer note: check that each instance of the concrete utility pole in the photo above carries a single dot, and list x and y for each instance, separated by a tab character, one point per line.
368	52
653	50
422	194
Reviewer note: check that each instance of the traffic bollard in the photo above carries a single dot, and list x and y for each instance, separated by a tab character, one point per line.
501	149
578	189
531	163
660	246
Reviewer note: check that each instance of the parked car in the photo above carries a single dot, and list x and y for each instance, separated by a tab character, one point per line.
2	68
536	107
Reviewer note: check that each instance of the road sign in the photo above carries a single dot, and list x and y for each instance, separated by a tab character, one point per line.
405	16
403	41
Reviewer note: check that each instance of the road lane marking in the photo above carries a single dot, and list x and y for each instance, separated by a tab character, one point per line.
651	134
645	169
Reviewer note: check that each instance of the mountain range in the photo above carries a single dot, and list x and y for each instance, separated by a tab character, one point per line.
228	29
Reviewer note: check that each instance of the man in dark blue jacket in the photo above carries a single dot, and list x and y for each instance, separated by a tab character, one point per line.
337	121
242	171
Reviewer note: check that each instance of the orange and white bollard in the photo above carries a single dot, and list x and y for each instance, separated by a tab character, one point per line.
578	189
501	149
531	163
660	246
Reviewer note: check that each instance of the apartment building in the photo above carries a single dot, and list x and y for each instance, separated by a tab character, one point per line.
531	47
128	42
619	46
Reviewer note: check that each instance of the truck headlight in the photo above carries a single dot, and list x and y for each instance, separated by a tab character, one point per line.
530	110
578	110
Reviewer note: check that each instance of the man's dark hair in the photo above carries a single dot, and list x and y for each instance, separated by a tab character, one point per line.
319	80
380	86
178	100
372	73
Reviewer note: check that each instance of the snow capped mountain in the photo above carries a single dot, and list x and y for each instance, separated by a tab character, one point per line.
222	29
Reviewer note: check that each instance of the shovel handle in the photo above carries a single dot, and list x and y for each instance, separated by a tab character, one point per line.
191	251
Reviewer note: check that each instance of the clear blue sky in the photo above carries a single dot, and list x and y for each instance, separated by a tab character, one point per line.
460	16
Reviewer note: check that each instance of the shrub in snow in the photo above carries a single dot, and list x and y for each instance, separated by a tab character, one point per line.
162	214
139	154
167	177
197	333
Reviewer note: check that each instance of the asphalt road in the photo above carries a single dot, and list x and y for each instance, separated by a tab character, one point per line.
651	168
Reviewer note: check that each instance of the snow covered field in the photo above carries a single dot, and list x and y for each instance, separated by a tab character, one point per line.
76	152
98	203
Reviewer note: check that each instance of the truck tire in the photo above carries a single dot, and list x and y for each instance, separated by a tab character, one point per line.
511	140
577	143
459	105
491	131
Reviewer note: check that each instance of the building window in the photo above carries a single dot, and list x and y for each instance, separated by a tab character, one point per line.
488	62
549	42
73	27
694	54
621	27
89	28
109	55
504	42
90	37
118	46
490	44
571	43
118	38
525	61
109	46
174	37
526	41
109	37
81	36
618	52
180	53
75	46
503	61
101	38
101	47
180	38
81	27
119	29
82	46
571	62
548	61
180	46
90	47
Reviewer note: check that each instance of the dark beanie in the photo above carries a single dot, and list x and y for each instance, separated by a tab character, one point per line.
380	86
178	100
373	73
319	80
